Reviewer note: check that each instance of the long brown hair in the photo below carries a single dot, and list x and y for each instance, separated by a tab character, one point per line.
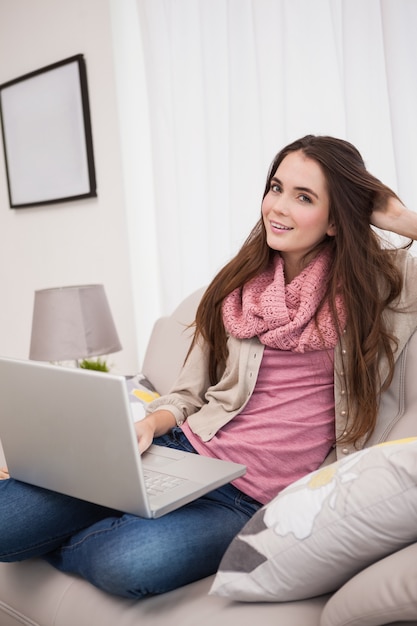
363	272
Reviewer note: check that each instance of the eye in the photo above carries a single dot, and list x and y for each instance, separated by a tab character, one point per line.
275	187
305	198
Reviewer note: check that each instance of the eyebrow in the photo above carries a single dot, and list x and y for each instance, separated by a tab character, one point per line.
305	189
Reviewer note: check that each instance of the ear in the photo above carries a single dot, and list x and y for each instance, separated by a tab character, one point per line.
331	230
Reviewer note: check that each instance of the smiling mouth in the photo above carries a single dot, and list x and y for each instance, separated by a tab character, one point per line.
277	226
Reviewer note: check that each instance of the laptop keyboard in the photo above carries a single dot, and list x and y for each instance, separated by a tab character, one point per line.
157	483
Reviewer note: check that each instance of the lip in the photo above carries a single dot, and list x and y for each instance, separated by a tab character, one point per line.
281	228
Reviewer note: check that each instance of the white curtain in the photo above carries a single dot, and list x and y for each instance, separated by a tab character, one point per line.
210	90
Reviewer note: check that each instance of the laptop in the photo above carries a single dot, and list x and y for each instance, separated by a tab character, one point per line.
71	430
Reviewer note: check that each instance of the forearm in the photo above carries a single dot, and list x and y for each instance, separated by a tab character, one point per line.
161	422
153	425
405	223
396	218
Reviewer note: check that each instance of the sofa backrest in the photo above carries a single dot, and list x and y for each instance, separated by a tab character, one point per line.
398	407
169	343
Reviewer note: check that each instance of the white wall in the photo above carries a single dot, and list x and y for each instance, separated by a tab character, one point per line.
78	242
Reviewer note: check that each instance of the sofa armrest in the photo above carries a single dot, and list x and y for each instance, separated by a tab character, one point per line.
382	593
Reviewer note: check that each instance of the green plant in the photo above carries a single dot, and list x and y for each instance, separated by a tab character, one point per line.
98	364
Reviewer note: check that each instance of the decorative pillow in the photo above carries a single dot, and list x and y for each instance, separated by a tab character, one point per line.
141	393
324	528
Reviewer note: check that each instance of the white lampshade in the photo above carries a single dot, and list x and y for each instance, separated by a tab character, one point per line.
71	323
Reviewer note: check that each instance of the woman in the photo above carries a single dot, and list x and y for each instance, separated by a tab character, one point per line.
294	340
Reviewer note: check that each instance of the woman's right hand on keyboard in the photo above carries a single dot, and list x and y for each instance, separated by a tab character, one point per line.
153	425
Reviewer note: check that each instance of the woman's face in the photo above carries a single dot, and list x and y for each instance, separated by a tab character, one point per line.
295	210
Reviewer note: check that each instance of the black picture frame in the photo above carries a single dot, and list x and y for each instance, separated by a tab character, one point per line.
47	136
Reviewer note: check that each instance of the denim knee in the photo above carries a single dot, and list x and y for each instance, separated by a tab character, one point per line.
34	521
111	556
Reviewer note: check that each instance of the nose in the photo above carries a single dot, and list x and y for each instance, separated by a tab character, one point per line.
279	204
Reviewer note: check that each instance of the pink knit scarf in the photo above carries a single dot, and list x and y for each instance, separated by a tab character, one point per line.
281	315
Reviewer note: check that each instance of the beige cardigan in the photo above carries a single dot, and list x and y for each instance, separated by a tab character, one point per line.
208	408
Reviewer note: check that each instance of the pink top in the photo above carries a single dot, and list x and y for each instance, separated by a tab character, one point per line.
293	407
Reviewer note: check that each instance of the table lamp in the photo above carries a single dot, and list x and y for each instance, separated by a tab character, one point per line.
72	323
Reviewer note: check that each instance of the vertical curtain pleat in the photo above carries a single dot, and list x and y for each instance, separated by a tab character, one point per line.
399	22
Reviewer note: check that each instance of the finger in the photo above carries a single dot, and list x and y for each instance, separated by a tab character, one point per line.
144	442
4	473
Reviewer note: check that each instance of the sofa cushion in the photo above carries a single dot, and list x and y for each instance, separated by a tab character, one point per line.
381	594
34	593
325	527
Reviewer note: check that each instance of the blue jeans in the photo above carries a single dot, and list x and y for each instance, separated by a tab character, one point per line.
121	553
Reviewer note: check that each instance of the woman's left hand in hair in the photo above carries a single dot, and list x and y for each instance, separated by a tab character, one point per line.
391	214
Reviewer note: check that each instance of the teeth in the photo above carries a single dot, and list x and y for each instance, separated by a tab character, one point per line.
280	226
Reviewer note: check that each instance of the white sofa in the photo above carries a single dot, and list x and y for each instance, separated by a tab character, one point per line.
33	593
